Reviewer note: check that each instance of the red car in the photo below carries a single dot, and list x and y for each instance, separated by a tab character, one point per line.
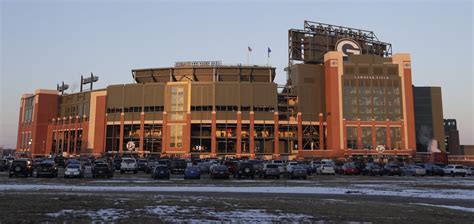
231	165
350	169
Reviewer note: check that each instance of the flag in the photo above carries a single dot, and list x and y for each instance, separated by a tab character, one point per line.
269	51
250	49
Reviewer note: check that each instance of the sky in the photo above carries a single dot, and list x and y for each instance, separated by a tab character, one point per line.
46	42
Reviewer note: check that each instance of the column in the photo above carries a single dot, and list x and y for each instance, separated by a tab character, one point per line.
300	134
321	131
252	133
402	136
239	134
122	120
359	135
374	135
142	133
276	151
213	135
164	134
344	131
388	135
187	136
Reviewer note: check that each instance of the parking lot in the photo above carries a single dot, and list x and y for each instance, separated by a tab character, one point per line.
321	198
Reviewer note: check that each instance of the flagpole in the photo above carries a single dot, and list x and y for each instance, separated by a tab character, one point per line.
248	57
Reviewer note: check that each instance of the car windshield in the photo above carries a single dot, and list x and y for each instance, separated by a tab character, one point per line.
128	161
222	168
327	166
192	168
18	162
100	165
73	166
46	165
161	167
272	166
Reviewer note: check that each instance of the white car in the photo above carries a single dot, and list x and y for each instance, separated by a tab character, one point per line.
468	170
281	165
290	166
128	165
326	169
74	170
414	170
454	170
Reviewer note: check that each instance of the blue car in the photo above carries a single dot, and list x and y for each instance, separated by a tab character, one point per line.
192	172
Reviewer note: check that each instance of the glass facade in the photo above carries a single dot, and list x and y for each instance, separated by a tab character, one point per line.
28	110
226	136
153	134
370	97
263	138
288	138
201	138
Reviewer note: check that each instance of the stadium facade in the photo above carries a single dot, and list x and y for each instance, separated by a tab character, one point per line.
346	95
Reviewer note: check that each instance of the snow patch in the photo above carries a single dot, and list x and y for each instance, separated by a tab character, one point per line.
178	214
109	214
460	208
400	192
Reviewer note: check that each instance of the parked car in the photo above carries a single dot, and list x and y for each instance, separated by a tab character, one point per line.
74	170
117	163
257	165
471	170
270	170
128	165
23	167
36	162
161	172
85	161
102	170
315	165
47	168
231	165
468	170
60	161
192	172
290	165
350	169
204	166
281	165
307	167
245	169
414	170
455	170
338	167
178	166
4	165
326	169
142	164
372	169
433	169
392	169
298	172
220	172
151	163
165	162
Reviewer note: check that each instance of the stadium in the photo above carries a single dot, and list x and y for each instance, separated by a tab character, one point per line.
346	95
